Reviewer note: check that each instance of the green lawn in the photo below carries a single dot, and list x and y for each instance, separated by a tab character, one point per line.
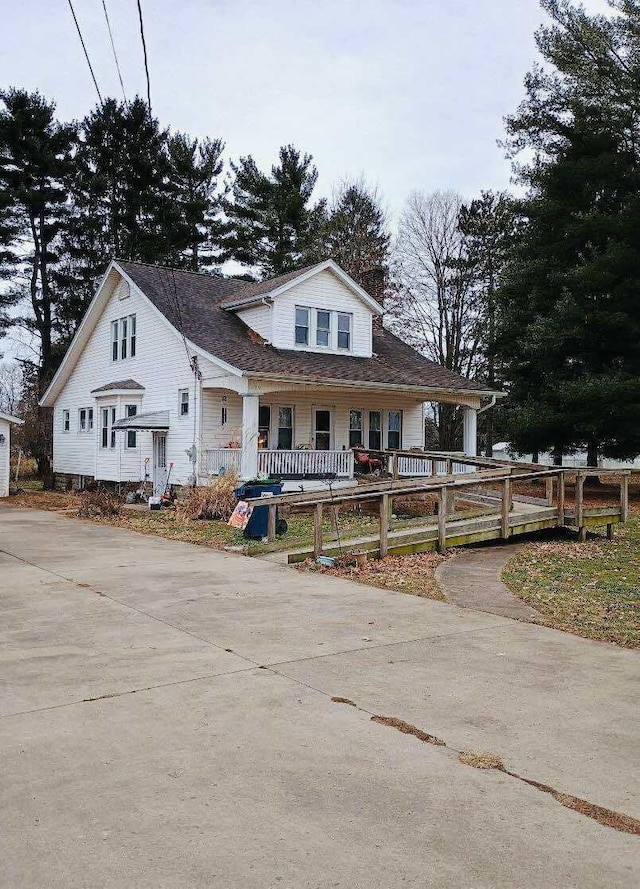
592	588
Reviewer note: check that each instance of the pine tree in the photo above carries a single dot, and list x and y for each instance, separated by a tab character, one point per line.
356	235
271	225
568	319
35	168
122	205
194	168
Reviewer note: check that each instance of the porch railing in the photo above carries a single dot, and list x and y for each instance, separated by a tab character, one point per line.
306	463
286	464
418	466
218	460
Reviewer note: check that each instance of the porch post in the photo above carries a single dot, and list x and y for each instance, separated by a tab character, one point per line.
470	431
249	456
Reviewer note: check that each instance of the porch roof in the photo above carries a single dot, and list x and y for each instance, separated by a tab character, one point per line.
155	420
207	323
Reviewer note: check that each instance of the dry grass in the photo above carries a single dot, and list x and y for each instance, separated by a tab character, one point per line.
91	504
213	501
481	760
413	574
591	589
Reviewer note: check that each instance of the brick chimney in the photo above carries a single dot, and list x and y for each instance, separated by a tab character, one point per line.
373	281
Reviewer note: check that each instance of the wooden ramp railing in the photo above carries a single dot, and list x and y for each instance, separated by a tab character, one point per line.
493	485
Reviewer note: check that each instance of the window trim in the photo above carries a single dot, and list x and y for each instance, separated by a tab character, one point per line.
275	420
115	339
351	429
387	430
380	431
88	420
306	326
349	332
130	432
124	337
182	402
328	330
66	420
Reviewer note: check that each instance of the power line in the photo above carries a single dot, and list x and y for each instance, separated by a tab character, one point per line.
113	47
146	63
86	54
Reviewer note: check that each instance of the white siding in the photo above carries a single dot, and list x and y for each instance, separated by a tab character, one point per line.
260	319
303	402
5	450
160	365
322	291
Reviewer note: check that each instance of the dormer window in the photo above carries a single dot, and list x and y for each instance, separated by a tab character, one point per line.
302	326
344	330
323	328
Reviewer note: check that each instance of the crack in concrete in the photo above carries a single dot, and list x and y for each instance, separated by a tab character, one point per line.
489	761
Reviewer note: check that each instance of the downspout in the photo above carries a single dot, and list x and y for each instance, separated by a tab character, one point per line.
481	410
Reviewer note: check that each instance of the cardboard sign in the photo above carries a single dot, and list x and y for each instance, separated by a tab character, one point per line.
240	516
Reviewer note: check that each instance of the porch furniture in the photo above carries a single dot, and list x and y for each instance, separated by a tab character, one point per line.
365	462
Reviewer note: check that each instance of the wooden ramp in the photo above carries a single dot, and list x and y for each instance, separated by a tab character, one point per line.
504	514
461	531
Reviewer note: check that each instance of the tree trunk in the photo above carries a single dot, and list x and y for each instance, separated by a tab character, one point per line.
592	453
557	457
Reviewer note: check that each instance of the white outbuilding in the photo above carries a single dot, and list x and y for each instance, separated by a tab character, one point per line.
6	421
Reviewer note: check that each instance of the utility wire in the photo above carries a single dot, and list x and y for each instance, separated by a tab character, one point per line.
113	47
86	54
146	63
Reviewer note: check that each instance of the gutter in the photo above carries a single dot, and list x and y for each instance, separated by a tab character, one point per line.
487	406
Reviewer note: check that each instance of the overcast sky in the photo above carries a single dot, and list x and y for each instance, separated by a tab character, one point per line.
409	93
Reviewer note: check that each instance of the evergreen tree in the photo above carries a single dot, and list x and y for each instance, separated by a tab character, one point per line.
488	225
569	325
194	168
356	235
122	205
271	225
35	167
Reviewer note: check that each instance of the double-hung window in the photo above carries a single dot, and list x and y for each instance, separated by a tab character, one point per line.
112	439
66	421
355	428
302	326
323	328
264	425
123	338
85	419
394	430
104	427
344	330
132	438
114	340
184	402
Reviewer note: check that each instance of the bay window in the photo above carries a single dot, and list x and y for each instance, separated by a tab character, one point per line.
131	410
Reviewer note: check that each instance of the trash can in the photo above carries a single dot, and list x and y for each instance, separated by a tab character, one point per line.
258	524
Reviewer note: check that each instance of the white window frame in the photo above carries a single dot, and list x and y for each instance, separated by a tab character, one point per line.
351	429
307	327
66	420
348	315
123	338
275	425
87	426
386	428
129	432
181	402
110	411
327	330
115	340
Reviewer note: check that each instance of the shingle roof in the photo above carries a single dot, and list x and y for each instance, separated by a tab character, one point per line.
119	384
195	303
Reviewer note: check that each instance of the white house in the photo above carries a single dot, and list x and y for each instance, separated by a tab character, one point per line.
202	373
6	422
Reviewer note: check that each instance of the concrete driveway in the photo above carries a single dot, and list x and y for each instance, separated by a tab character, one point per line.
166	721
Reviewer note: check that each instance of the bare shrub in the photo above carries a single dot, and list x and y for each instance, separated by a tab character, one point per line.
213	501
98	503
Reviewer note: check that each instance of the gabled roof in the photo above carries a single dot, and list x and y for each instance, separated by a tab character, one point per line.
204	317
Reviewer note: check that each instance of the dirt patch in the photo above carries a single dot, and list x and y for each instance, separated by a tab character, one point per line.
407	729
481	760
338	700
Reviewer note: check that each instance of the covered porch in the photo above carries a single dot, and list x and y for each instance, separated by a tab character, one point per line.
308	433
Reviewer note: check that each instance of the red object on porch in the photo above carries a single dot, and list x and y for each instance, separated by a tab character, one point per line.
365	462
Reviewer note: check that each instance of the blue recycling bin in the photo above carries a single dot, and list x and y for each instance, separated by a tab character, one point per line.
258	524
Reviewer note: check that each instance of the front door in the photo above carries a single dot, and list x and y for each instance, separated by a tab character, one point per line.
159	463
322	428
